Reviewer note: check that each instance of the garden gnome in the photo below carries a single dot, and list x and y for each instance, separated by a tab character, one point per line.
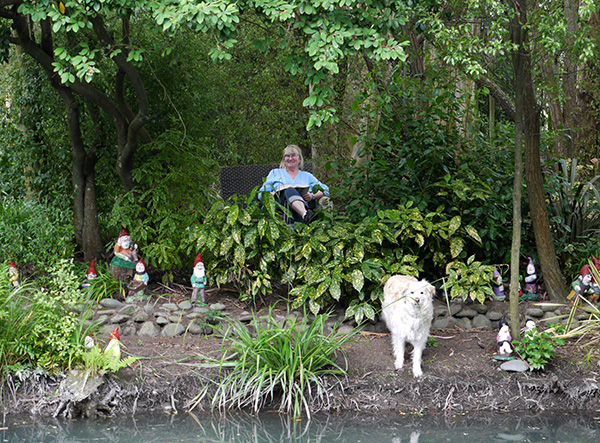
581	286
140	279
498	286
113	349
530	279
530	328
13	274
504	339
90	275
125	249
198	280
126	256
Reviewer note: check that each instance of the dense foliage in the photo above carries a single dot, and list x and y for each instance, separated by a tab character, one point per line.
43	324
329	260
419	154
34	234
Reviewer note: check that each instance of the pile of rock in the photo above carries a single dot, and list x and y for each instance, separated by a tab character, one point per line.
170	319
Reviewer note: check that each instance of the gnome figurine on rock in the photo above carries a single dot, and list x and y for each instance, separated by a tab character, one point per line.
198	280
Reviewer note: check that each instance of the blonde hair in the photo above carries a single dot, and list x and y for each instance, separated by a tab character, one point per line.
292	149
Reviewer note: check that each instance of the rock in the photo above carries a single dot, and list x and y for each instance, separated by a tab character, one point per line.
173	329
195	328
110	303
547	307
79	385
101	320
185	305
481	321
464	323
105	312
174	318
201	310
245	317
217	307
193	315
149	329
494	315
466	312
161	321
534	312
120	318
479	308
440	312
514	366
140	317
170	307
128	330
441	323
127	310
148	307
455	308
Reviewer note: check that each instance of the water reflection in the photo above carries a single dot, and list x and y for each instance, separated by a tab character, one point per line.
272	427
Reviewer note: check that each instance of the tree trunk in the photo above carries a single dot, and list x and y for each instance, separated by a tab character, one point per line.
553	278
85	213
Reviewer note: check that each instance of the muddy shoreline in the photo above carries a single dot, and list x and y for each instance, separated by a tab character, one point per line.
460	375
563	387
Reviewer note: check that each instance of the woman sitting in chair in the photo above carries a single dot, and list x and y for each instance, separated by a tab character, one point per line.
294	188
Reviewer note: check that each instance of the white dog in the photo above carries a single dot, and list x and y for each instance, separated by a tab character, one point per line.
408	312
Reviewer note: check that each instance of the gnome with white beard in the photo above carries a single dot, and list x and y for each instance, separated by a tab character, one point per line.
198	280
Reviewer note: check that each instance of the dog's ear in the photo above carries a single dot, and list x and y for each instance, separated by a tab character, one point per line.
431	290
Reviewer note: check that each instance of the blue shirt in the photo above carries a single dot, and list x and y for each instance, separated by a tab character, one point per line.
279	177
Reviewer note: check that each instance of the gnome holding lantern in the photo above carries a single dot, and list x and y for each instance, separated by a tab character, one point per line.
90	275
126	256
198	280
13	274
140	279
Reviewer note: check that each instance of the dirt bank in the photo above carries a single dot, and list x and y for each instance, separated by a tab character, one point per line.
460	375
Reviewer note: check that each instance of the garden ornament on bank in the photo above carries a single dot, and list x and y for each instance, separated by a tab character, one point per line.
498	286
530	292
126	256
198	280
90	275
504	342
582	287
140	279
13	274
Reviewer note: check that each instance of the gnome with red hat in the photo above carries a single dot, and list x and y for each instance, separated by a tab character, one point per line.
13	274
90	275
581	286
140	279
126	256
126	249
198	280
113	349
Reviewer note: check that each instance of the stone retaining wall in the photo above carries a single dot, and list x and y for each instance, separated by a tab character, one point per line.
171	319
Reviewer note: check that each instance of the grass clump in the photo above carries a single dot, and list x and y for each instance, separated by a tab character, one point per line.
278	361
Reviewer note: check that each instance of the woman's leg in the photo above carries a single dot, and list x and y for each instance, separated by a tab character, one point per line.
296	203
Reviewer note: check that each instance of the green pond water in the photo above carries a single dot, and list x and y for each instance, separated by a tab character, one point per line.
272	427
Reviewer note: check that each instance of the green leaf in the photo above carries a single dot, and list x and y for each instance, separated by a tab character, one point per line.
358	280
